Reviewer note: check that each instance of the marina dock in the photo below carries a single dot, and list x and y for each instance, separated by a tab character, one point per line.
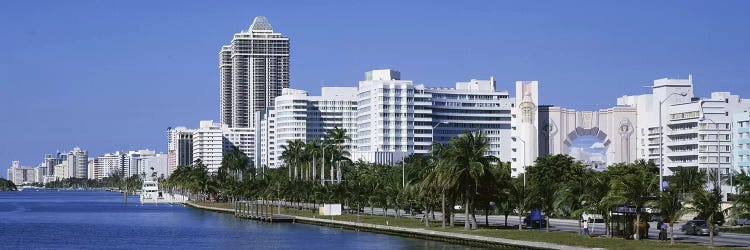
259	210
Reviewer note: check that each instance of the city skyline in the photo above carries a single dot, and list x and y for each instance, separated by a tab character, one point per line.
132	120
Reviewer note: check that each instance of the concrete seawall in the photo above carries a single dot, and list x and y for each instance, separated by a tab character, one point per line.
464	239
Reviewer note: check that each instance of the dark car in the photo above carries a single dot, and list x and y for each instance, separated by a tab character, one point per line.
698	227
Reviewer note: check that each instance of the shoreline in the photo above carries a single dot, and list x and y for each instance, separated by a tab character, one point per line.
455	238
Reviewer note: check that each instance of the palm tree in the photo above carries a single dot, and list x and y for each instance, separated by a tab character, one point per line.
469	152
708	206
313	149
292	154
687	180
635	188
338	137
516	192
670	207
435	174
570	198
741	200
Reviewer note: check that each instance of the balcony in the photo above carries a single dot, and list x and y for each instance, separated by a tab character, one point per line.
675	142
677	153
684	131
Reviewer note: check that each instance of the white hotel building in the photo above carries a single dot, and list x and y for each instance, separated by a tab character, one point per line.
388	118
395	118
696	132
300	116
208	143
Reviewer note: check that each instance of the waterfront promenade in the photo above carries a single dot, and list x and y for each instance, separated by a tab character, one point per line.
415	232
413	227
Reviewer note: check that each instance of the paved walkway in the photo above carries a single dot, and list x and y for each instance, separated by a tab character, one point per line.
418	231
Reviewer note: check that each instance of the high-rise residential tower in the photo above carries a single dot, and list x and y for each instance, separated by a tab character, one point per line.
253	70
78	163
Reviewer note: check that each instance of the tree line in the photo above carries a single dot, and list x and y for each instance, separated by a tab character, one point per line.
7	185
460	174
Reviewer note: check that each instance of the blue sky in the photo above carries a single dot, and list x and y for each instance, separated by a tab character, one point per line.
108	75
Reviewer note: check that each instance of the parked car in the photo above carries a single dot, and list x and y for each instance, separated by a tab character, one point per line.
742	222
540	223
408	209
698	227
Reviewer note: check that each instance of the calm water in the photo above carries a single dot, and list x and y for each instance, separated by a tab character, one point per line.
98	220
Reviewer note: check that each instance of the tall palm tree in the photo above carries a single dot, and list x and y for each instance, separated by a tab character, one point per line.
292	154
339	138
469	152
437	175
313	149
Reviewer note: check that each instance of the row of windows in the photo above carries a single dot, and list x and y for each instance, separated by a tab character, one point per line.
468	97
685	115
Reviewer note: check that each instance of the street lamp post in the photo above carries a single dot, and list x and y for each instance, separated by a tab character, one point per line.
661	141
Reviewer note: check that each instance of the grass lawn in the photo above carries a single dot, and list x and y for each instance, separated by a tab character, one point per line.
562	238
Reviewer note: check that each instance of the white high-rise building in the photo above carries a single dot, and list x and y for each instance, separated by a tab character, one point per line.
78	163
136	161
266	151
242	138
62	171
696	132
390	123
690	135
253	70
208	145
39	173
389	118
472	106
308	118
107	165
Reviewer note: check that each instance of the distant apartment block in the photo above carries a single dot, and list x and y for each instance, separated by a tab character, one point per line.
207	143
21	175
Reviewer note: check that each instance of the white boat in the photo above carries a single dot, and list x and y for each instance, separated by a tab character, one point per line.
150	193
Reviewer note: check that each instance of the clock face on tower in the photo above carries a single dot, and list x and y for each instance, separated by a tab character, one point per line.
624	128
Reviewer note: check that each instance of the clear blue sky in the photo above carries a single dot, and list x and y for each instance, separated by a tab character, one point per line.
113	75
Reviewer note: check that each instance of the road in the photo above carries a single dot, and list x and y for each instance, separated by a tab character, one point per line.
566	225
723	239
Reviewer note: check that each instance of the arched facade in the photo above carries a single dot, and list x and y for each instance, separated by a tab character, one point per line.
615	127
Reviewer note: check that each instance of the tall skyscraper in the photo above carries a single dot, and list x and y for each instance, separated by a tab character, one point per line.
78	163
253	70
